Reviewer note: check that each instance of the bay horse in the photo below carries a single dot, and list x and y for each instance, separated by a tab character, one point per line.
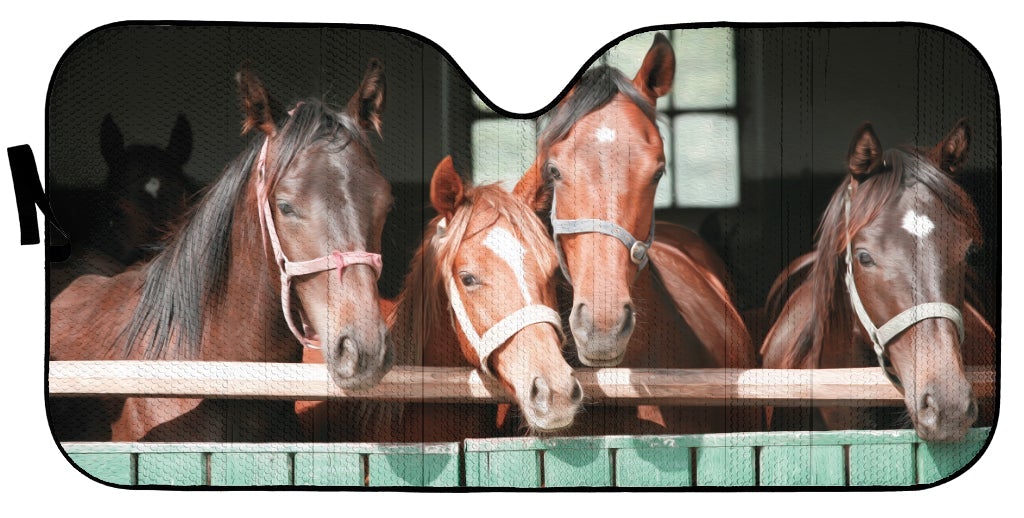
281	251
887	286
599	160
480	293
146	190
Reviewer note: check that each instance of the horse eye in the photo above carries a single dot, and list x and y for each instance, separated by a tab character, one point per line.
285	208
552	173
865	258
468	279
659	174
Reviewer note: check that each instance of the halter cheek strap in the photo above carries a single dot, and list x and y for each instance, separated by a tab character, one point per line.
637	249
506	328
336	260
883	335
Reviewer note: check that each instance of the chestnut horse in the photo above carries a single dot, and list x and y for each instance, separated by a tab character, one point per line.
886	286
298	214
480	293
600	158
145	191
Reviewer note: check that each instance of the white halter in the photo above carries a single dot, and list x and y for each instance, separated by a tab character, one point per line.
486	343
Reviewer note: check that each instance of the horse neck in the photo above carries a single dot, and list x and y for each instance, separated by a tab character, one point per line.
841	340
651	345
247	314
441	348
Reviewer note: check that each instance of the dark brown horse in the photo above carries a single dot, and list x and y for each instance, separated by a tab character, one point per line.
637	301
480	293
145	192
886	286
280	251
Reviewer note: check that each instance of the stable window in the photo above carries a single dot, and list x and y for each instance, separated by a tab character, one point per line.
698	122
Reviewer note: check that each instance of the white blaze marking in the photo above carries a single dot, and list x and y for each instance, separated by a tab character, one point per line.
605	134
510	250
919	225
153	186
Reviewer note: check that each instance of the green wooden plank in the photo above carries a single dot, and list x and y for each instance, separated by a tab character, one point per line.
882	464
809	465
329	469
577	467
419	469
250	469
115	468
503	469
938	461
653	467
726	466
172	469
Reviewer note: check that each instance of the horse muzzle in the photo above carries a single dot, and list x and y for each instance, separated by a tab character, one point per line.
359	360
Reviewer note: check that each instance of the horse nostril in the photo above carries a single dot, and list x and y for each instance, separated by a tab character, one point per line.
972	411
577	392
347	358
927	412
628	321
581	322
927	403
582	317
540	394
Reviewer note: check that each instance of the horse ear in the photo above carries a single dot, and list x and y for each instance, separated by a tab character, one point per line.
530	189
950	154
112	148
367	105
658	69
446	188
111	140
179	149
865	153
261	110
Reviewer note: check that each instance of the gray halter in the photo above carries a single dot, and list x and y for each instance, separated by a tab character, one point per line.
881	336
637	249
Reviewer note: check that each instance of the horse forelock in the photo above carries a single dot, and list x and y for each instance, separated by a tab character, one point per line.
830	313
313	121
596	88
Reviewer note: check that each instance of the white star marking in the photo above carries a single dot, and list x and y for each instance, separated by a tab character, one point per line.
510	250
919	225
605	134
153	187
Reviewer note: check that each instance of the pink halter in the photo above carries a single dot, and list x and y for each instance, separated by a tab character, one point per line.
335	260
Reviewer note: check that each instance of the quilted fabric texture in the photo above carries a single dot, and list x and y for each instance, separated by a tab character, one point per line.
722	353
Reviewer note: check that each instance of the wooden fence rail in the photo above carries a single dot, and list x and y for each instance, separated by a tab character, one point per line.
778	387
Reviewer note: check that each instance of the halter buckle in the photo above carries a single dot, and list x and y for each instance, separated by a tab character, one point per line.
638	252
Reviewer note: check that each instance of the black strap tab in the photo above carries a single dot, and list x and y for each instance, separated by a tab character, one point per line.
28	193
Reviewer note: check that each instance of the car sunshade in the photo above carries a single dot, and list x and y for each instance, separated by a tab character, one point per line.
726	256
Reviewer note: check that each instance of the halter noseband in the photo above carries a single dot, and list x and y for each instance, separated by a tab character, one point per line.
881	336
637	249
334	260
500	332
